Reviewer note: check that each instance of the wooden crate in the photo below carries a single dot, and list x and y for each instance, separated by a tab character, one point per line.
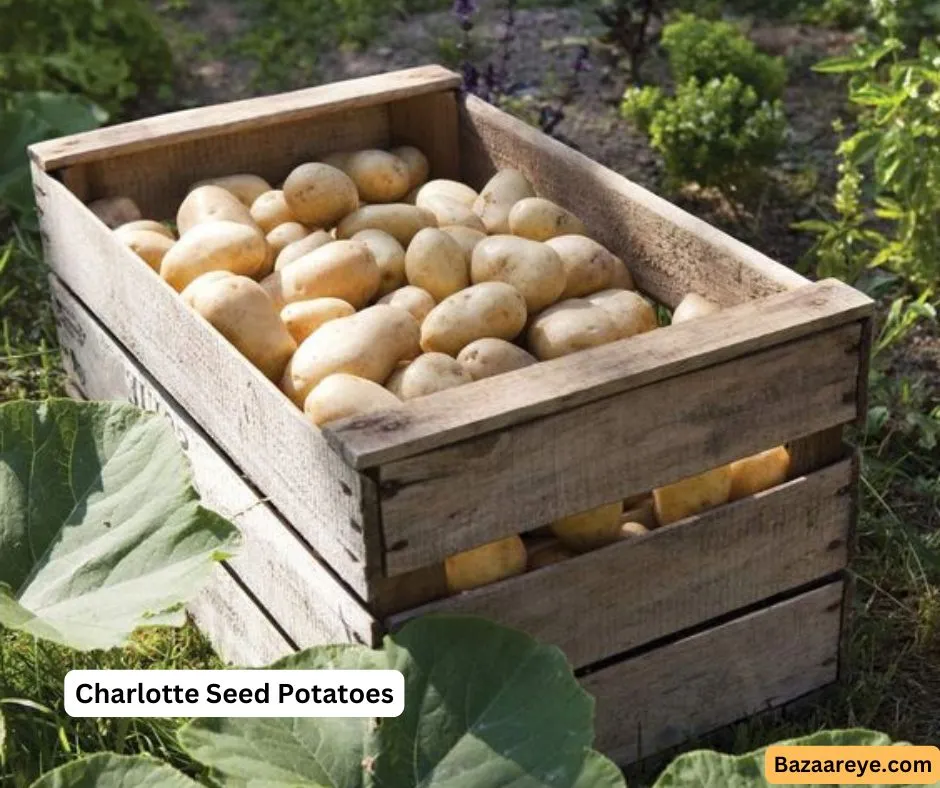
354	520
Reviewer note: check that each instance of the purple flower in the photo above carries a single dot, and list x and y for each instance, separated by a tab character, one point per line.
464	9
582	61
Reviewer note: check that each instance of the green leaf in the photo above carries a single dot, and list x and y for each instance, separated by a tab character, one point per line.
707	769
107	770
484	705
100	528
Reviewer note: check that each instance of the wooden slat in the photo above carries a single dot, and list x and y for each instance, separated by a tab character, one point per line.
554	386
429	122
242	411
635	592
288	580
482	489
669	251
241	116
686	689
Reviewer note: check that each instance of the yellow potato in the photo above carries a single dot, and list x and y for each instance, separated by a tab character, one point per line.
501	193
759	472
341	269
319	195
297	249
191	291
148	245
448	211
304	317
435	262
246	188
340	396
631	313
147	224
115	211
239	310
545	552
467	237
692	495
399	220
539	220
630	529
568	327
589	267
214	246
533	268
212	204
591	529
416	163
453	190
693	306
389	256
427	374
369	344
485	564
487	357
491	309
412	299
284	235
379	176
270	210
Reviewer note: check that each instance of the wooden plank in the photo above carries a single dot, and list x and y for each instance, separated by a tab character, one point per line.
817	450
429	122
703	682
669	251
241	411
308	602
482	489
554	386
632	593
241	116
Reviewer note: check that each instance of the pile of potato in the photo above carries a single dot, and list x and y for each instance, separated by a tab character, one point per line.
358	284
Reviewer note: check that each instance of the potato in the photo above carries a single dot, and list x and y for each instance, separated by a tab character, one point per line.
148	245
212	204
692	306
246	188
389	256
380	177
319	195
435	262
270	210
448	211
239	310
284	235
485	564
589	267
297	249
534	269
214	246
622	278
341	269
501	193
115	211
487	357
692	495
147	224
369	344
539	220
191	291
302	318
340	396
545	552
640	511
467	237
759	472
427	374
412	299
399	220
631	313
591	529
630	529
416	163
491	309
568	327
453	190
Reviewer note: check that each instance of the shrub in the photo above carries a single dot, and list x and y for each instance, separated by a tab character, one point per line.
706	50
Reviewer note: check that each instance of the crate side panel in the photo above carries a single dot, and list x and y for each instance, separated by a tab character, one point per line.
429	123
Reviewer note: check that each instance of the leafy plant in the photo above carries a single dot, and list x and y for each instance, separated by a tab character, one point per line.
627	28
108	770
100	528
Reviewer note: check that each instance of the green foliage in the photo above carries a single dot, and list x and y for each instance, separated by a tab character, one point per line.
706	50
717	134
106	51
627	27
108	770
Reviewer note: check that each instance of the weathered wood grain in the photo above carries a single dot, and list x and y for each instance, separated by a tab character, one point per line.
683	690
429	122
485	488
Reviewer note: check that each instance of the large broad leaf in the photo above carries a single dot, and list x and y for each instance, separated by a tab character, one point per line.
108	770
484	706
707	769
100	528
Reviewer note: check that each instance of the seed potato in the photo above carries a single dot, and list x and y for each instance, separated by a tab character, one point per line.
389	256
692	495
435	262
533	268
568	327
591	529
340	396
302	318
427	374
631	313
319	195
191	291
692	306
485	564
412	299
115	211
540	220
147	224
212	204
490	309
148	245
399	220
759	472
501	193
589	267
213	246
297	249
467	237
284	235
270	210
246	188
379	176
416	163
452	190
448	211
488	357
